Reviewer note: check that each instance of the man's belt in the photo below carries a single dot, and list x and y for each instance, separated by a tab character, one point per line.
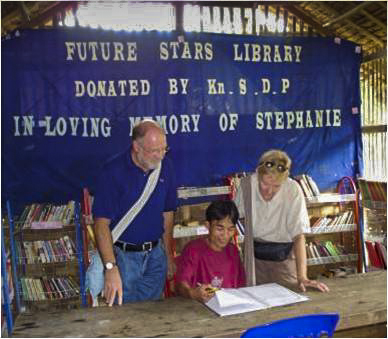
128	247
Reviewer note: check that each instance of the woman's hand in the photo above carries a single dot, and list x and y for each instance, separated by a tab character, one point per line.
304	282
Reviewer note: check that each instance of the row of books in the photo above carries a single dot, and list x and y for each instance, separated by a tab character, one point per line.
308	185
46	251
38	289
377	254
316	249
345	218
373	190
39	215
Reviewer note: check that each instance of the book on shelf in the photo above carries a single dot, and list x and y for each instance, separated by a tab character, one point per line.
46	288
374	258
377	254
313	186
316	249
382	253
39	288
247	299
24	289
74	285
373	190
305	189
69	246
308	185
332	250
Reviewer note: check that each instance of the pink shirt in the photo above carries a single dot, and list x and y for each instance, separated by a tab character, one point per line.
200	264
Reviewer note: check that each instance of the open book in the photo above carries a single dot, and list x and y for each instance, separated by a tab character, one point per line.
247	299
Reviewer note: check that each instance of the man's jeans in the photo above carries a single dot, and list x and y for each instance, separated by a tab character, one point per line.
143	274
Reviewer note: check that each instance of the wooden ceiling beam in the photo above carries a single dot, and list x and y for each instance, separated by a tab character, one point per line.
382	4
347	14
57	7
301	14
382	53
354	26
24	11
375	20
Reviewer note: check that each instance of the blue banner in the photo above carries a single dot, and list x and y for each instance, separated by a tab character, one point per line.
70	98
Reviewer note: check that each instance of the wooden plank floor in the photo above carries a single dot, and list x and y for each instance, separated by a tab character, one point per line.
361	300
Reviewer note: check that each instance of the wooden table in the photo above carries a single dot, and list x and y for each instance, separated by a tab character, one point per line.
361	301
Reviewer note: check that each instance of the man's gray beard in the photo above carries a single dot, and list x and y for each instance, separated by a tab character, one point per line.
152	166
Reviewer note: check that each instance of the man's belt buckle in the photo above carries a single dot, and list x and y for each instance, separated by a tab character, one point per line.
147	246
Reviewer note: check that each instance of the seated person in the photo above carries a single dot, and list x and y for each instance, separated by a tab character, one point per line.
211	262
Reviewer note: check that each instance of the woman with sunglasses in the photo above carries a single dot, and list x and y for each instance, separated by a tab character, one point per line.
276	218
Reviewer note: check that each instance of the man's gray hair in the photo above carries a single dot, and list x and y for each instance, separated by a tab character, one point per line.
141	128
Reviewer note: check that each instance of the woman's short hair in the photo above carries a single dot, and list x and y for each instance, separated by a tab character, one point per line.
276	163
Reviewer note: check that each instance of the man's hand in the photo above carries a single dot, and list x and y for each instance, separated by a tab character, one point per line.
304	282
113	285
171	267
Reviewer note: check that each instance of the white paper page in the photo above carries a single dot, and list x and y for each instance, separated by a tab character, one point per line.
233	301
274	294
232	297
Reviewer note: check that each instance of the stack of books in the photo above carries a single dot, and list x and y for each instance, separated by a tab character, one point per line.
46	251
308	185
46	215
45	288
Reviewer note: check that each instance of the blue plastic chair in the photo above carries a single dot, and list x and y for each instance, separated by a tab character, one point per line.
305	326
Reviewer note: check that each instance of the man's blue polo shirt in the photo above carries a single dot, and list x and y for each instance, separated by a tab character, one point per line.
120	185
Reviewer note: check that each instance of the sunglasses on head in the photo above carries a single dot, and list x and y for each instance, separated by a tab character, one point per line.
271	164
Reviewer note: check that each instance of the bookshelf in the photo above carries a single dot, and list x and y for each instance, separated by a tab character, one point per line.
334	238
47	245
373	200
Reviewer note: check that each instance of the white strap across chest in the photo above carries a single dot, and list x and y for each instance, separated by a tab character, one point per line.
125	221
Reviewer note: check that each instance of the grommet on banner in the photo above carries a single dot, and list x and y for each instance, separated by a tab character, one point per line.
181	38
355	110
358	49
337	40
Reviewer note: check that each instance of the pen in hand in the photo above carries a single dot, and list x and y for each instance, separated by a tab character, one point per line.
208	288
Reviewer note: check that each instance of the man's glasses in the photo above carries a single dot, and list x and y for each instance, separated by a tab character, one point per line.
156	150
271	164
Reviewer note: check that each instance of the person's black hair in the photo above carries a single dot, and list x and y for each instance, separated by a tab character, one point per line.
220	209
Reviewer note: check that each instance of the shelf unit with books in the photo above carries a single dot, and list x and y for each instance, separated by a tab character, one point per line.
47	248
333	240
373	201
